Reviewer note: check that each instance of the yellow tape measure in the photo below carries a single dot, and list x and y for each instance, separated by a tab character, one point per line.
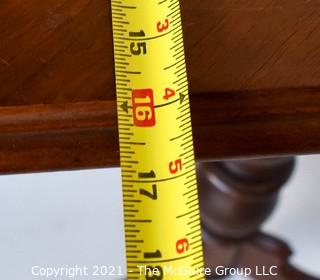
161	211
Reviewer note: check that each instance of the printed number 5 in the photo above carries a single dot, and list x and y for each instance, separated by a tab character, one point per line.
175	166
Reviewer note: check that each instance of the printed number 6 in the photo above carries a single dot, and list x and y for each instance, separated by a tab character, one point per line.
182	245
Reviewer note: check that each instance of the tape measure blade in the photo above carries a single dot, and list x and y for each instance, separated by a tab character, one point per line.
161	209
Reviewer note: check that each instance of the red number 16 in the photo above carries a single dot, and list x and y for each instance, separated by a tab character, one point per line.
143	107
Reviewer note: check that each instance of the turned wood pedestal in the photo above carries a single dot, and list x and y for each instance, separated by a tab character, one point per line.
254	73
236	197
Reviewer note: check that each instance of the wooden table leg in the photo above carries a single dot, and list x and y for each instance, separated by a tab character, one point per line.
236	197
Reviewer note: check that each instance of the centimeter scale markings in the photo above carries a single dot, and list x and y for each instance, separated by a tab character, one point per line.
161	211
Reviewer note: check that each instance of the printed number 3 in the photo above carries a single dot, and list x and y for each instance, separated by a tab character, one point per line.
162	26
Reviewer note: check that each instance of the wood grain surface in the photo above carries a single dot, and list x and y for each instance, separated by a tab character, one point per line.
253	67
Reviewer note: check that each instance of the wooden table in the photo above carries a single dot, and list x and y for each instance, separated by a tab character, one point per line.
253	67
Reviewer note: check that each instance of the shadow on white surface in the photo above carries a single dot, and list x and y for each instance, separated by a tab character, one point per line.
297	216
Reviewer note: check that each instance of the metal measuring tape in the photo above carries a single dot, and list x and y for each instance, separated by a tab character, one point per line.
160	199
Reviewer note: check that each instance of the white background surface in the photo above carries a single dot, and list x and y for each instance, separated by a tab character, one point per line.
75	218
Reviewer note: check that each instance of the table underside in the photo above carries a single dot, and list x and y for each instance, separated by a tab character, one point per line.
253	68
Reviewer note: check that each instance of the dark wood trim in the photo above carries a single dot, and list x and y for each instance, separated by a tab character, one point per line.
226	125
256	123
58	117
